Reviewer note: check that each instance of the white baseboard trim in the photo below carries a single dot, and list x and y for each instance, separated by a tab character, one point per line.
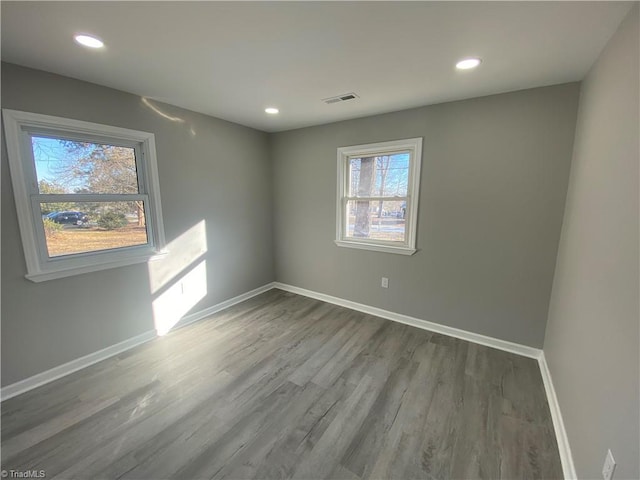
73	366
68	368
568	467
505	345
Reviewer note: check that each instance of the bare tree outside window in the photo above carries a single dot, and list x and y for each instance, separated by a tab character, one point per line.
363	219
377	196
71	168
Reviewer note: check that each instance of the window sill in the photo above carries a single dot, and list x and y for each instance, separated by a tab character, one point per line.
44	276
376	247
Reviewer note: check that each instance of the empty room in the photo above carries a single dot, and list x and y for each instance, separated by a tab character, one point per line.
320	240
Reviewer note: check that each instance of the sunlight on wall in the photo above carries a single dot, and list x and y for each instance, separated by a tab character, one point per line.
179	298
148	103
157	110
176	285
183	251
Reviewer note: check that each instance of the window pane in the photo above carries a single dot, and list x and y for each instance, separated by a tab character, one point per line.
376	220
379	176
68	166
91	227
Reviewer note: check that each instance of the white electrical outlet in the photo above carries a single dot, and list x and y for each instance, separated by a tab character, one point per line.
385	282
609	466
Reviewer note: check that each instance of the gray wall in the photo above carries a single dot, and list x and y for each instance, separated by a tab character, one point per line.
592	339
494	179
210	170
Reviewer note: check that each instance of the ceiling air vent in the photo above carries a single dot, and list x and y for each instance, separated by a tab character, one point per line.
340	98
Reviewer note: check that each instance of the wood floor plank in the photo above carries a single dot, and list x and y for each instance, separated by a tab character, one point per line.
409	418
325	455
53	426
239	435
283	386
370	440
249	462
340	361
304	433
440	430
149	430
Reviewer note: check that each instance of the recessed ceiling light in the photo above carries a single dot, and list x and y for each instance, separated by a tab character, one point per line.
272	110
89	41
468	63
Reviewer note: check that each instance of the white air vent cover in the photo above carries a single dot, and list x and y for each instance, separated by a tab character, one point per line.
340	98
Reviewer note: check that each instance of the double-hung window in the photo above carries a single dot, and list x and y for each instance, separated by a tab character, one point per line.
378	185
87	195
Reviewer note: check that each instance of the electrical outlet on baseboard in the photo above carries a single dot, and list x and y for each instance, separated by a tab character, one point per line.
609	466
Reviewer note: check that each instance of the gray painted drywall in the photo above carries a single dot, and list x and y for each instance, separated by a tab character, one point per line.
209	170
494	178
591	342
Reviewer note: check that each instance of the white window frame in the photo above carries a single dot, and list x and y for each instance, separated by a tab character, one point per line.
411	145
18	127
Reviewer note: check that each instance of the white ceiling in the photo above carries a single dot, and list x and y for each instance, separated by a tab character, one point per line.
233	59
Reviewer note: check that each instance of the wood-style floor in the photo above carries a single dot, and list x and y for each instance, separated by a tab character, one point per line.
283	386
